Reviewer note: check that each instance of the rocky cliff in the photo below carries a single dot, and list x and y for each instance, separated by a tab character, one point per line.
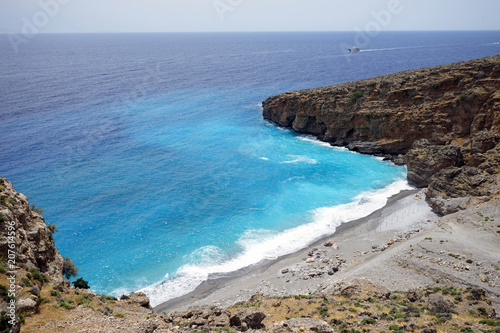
446	120
387	114
34	244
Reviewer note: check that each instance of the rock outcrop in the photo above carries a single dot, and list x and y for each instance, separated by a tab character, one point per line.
34	244
387	114
445	120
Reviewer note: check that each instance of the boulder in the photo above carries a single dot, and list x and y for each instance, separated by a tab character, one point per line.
247	318
35	291
299	325
461	182
447	206
222	320
139	298
413	296
424	161
437	304
428	330
483	141
356	285
25	305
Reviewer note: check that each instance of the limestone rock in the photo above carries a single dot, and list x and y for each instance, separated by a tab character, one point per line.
425	161
34	241
25	305
437	304
139	298
439	103
247	318
299	325
456	182
353	287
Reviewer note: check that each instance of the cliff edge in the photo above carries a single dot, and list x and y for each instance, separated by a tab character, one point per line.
34	244
443	122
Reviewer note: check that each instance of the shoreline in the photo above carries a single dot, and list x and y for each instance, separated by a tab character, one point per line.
266	277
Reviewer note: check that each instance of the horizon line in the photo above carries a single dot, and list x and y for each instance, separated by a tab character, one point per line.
242	31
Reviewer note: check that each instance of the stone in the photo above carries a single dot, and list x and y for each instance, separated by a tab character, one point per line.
222	320
139	298
25	305
149	328
413	296
35	291
437	304
199	321
297	325
251	319
429	330
424	162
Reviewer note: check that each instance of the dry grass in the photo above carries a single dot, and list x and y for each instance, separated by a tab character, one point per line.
365	313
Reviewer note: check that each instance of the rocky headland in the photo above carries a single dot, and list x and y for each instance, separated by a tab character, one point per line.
404	268
442	122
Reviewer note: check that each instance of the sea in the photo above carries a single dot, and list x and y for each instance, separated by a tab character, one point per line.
150	154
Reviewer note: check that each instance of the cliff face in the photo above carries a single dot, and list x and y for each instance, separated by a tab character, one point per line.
33	239
446	119
387	114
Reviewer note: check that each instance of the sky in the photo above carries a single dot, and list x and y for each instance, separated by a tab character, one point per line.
52	16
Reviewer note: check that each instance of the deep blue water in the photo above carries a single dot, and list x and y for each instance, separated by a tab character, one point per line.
150	154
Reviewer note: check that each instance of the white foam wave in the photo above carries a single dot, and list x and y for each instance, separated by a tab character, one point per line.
258	245
316	141
299	159
264	158
294	178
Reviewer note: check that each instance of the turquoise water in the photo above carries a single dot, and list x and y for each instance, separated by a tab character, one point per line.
156	165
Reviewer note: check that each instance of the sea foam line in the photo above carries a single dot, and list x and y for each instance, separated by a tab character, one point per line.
259	245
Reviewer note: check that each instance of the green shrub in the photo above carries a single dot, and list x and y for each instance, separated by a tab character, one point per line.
36	209
21	318
369	321
81	283
35	274
26	282
105	298
482	311
490	322
52	227
4	322
4	293
65	305
356	95
55	293
394	327
119	314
